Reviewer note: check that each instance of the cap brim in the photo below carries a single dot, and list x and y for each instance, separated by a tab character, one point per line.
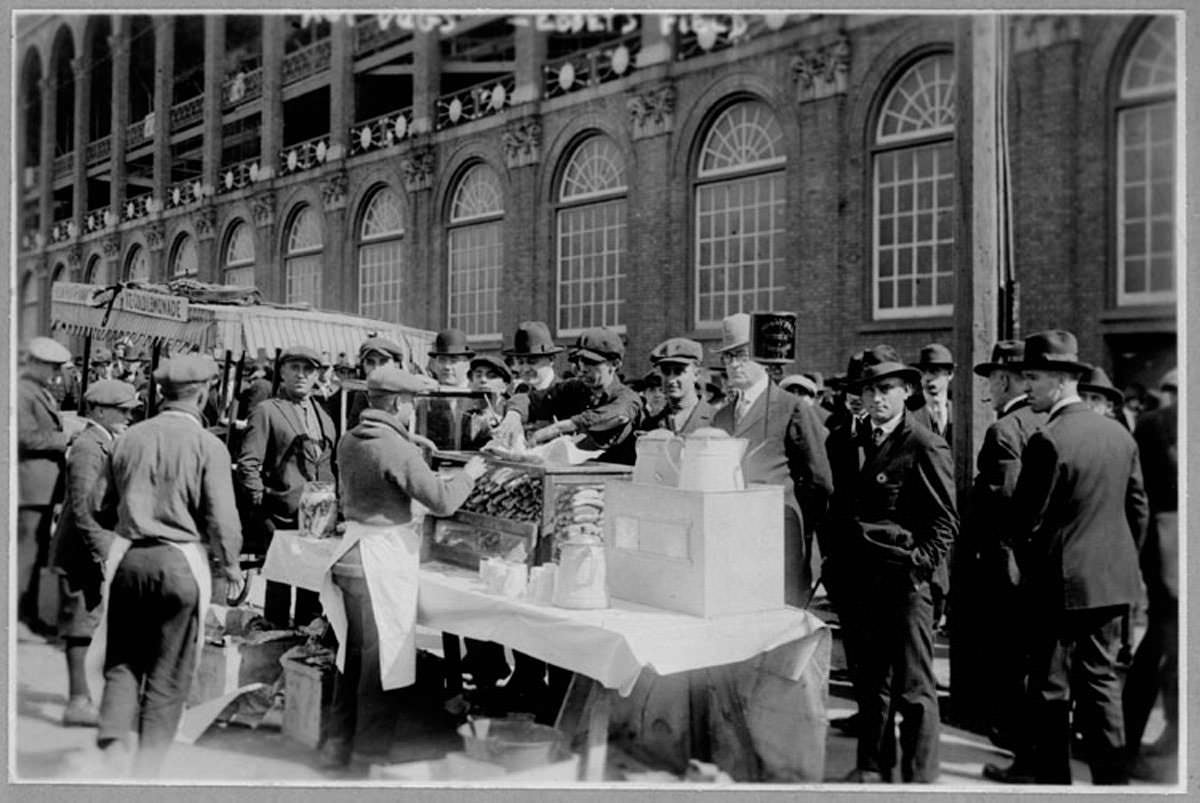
680	360
589	356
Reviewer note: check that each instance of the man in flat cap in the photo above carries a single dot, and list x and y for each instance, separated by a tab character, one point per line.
41	450
807	390
990	644
1076	520
899	523
937	370
677	361
288	442
375	352
1155	668
169	490
491	377
81	543
785	447
370	592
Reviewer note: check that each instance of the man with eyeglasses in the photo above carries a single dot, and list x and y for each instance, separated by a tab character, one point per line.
900	519
786	446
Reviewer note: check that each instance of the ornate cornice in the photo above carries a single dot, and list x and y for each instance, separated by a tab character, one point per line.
652	111
263	206
417	167
1042	30
822	72
523	142
333	190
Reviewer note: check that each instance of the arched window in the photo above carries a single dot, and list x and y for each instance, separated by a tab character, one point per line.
913	194
137	265
302	258
239	255
381	256
476	252
185	261
59	274
1146	169
96	271
591	237
739	225
30	306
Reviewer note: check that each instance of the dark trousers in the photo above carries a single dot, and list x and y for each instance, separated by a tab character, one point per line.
33	543
797	559
277	605
896	677
153	627
1073	659
362	715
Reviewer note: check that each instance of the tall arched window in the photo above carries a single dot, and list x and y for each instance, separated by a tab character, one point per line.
302	258
381	256
59	274
1146	169
137	265
591	237
913	194
239	255
96	271
476	252
739	226
185	261
31	299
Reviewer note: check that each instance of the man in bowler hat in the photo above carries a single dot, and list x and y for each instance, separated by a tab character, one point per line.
1077	517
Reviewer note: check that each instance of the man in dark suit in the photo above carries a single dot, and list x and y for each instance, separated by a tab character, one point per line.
1155	666
288	442
785	447
1078	515
936	365
677	361
987	648
900	510
41	450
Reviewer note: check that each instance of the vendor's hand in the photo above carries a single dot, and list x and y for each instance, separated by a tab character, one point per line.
475	467
545	434
509	427
425	443
235	582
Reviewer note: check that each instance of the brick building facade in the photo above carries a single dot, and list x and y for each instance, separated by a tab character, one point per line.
649	172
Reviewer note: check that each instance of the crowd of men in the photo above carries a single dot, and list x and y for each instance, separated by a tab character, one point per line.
1071	515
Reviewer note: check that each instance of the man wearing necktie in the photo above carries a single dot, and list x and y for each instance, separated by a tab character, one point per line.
898	516
785	446
937	370
677	361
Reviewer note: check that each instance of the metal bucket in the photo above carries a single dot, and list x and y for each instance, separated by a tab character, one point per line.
513	744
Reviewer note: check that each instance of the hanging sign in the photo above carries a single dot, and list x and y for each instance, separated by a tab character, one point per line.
773	337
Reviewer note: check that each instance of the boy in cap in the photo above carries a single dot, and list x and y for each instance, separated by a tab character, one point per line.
370	592
490	376
677	361
1077	518
41	450
81	543
168	487
288	442
899	521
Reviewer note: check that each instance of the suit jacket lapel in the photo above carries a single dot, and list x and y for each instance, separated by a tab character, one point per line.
755	412
879	459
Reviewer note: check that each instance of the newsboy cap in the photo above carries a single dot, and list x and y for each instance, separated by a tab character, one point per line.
677	349
381	345
43	349
493	362
112	393
599	344
390	379
300	353
101	355
185	369
799	381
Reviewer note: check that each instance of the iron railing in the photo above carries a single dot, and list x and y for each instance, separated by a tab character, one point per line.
304	155
380	132
591	67
475	102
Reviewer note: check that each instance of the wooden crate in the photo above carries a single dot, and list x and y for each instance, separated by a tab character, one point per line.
703	553
308	692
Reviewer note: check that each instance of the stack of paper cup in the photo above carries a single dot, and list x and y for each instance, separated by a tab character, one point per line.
541	584
515	578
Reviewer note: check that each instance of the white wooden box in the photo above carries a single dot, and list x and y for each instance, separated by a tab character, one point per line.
704	553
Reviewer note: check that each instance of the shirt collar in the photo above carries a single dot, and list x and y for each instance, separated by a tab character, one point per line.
1061	403
888	427
103	430
1011	403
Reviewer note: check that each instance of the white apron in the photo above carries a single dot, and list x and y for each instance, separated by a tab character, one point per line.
197	560
391	558
94	662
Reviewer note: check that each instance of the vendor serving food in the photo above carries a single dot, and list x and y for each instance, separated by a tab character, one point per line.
370	591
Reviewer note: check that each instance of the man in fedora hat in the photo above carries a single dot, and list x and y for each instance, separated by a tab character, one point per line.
937	370
81	543
1155	668
987	650
1077	516
169	489
785	446
677	361
41	450
899	514
288	442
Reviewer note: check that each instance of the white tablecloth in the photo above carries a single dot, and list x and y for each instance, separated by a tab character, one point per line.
611	645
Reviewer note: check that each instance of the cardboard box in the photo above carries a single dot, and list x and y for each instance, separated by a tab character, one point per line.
703	553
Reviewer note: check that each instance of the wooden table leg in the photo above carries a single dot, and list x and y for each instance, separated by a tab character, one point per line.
585	713
452	664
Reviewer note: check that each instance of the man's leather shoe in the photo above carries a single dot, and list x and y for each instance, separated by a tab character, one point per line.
81	712
863	776
1012	774
335	754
